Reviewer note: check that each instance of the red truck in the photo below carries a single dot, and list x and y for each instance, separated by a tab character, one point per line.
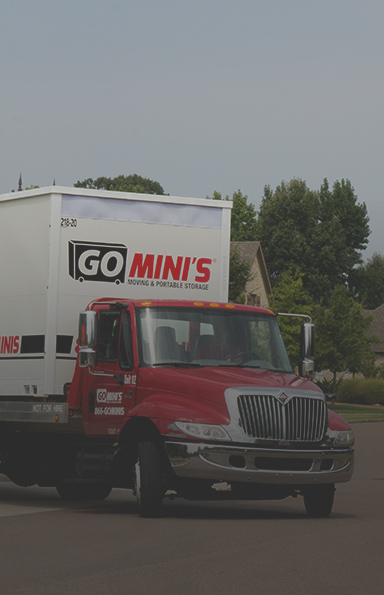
166	397
183	398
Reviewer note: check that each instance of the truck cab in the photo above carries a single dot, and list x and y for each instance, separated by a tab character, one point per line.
198	399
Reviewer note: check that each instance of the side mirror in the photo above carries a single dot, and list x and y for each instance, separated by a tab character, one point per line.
307	344
307	349
307	340
306	368
87	339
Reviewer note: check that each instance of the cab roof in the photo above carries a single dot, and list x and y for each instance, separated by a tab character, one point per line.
140	303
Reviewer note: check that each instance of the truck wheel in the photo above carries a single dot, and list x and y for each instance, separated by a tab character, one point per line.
149	479
318	500
83	491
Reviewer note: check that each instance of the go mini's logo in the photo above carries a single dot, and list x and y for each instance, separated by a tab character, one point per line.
96	261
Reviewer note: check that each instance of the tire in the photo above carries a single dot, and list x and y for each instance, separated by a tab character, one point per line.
83	491
149	480
318	500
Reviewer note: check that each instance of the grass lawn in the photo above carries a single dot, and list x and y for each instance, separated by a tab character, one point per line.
353	413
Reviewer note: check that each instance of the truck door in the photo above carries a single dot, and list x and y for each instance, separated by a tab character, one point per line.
111	390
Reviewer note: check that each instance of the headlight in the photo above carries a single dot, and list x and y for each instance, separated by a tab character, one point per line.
344	438
202	431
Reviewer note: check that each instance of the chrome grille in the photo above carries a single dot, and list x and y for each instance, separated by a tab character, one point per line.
299	419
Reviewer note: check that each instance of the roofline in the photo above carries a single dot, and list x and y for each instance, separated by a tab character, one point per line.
264	270
86	192
259	255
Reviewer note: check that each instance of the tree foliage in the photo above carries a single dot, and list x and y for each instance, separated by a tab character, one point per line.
131	183
239	275
320	233
290	297
342	343
243	217
243	229
341	327
368	282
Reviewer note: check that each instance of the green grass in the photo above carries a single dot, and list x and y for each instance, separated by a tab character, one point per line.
353	413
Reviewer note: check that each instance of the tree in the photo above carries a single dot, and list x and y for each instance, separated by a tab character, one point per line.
341	335
284	218
320	233
243	229
239	275
132	183
368	282
243	217
289	296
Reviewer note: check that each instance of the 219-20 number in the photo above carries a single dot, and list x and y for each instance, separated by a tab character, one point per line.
68	222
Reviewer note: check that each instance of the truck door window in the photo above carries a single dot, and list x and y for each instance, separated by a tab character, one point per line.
164	337
126	350
108	336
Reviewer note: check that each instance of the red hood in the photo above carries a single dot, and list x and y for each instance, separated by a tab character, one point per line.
209	384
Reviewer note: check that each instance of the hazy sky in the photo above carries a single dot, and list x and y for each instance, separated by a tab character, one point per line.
199	95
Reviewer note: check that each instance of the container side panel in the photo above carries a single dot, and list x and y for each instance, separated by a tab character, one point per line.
125	259
24	265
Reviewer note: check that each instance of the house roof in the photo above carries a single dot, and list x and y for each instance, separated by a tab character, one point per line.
249	251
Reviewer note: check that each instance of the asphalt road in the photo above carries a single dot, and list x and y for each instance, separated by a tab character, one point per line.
50	547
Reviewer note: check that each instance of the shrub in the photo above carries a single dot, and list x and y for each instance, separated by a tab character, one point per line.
327	385
363	391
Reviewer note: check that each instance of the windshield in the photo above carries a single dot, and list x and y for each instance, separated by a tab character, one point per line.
202	337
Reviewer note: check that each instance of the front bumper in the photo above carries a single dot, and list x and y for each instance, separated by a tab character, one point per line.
259	465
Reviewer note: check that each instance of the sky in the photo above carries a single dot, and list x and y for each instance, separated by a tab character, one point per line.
201	96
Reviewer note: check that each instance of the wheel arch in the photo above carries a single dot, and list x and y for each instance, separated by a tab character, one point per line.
142	429
139	429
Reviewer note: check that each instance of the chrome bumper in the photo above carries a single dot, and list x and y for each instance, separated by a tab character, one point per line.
260	465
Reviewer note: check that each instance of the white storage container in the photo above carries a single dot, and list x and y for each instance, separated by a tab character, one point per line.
62	247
